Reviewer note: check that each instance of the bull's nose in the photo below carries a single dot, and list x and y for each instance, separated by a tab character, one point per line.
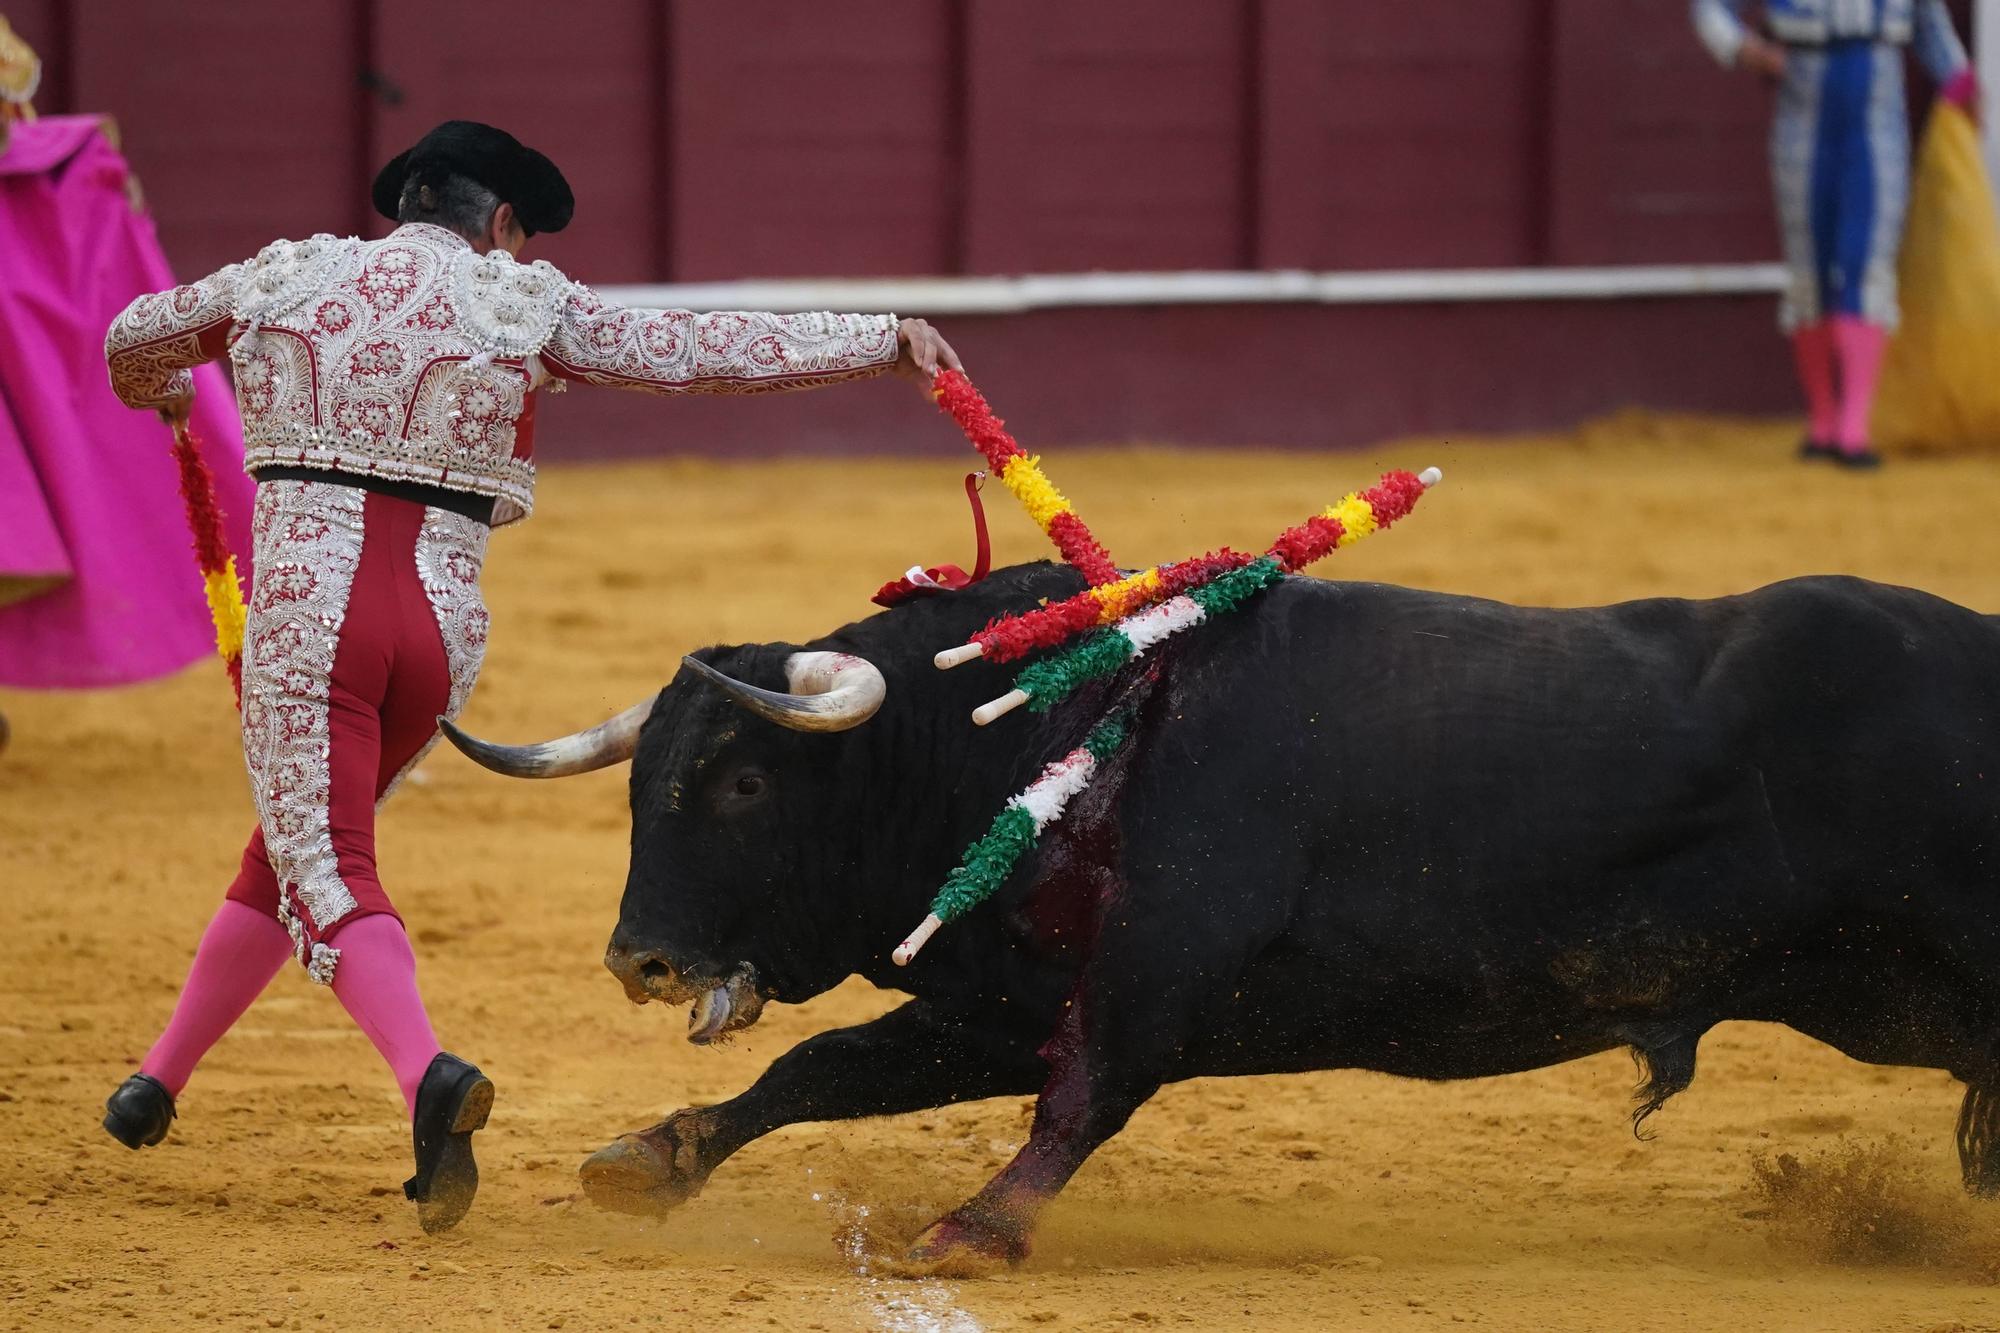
644	973
621	962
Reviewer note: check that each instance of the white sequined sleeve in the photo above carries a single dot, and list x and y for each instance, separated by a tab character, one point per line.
727	351
1719	24
155	342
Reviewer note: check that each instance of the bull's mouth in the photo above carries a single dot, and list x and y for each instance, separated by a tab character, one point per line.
724	1001
728	1006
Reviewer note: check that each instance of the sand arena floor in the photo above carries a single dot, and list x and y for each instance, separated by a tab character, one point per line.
1329	1201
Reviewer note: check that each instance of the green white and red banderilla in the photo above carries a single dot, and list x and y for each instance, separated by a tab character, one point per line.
1016	830
1046	683
1342	524
1023	476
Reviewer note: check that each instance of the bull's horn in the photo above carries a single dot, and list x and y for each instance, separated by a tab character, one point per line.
601	746
830	691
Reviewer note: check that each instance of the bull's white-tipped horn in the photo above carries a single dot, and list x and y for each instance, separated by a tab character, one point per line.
601	746
1000	707
959	656
1430	477
829	691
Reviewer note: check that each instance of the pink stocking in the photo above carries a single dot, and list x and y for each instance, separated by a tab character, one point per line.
1860	346
376	981
1812	351
240	952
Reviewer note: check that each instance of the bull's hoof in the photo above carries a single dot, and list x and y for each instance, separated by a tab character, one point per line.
966	1239
652	1171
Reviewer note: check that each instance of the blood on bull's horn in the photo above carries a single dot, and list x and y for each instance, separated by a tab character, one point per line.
830	691
601	746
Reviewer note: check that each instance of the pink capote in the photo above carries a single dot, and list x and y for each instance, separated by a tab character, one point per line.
89	494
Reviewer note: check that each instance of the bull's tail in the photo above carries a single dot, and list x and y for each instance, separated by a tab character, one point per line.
1665	1057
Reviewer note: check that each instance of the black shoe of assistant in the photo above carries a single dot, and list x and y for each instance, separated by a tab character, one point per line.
452	1101
1810	449
1861	460
137	1115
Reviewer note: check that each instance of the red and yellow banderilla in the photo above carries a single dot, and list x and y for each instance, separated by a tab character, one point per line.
1022	475
211	551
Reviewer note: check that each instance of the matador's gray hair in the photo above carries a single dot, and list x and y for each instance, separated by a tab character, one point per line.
460	204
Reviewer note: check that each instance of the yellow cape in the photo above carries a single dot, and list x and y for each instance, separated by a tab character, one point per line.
1940	386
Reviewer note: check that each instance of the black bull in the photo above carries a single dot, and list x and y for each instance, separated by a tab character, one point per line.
1361	827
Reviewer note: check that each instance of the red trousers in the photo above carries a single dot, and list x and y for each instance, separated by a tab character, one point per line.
365	625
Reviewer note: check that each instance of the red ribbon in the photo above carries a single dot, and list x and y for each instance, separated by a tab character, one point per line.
947	578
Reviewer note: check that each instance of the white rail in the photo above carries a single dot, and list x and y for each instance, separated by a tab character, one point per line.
1052	291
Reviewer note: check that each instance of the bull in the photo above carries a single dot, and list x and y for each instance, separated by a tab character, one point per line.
1361	827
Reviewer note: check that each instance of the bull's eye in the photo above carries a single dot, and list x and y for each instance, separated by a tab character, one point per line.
741	793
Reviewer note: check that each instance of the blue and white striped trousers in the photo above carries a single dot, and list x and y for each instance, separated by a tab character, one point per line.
1840	164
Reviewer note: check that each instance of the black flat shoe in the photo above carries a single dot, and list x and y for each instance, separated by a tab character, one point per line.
137	1115
453	1100
1812	450
1861	460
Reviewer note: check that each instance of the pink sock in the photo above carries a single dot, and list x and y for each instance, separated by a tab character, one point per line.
376	981
1812	351
239	953
1860	346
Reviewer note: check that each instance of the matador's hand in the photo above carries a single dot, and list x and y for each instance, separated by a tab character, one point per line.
1762	56
923	353
175	410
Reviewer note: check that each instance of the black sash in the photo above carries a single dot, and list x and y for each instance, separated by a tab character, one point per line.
478	508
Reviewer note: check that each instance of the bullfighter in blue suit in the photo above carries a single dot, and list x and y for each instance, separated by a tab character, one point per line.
1840	166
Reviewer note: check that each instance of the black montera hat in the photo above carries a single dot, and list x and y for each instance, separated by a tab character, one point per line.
494	158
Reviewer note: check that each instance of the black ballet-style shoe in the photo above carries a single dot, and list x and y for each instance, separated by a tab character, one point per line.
138	1113
453	1100
1811	449
1860	460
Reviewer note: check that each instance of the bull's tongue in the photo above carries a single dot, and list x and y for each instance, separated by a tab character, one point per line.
725	1008
709	1016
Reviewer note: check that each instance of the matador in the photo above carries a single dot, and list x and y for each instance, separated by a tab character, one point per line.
387	389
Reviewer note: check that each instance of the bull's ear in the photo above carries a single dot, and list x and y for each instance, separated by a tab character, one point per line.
828	691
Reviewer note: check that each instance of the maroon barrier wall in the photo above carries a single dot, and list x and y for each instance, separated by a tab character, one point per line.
1291	376
889	137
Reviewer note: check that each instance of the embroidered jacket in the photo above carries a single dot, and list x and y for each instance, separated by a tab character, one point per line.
1926	23
414	358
